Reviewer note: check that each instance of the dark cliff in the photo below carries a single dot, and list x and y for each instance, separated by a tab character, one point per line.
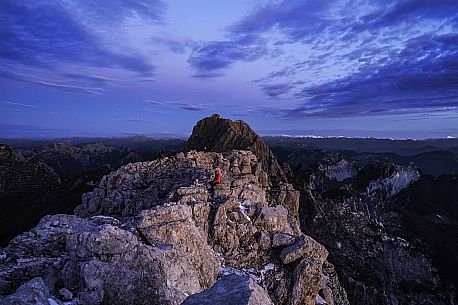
219	135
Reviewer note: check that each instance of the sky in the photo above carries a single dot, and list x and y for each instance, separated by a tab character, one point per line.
359	68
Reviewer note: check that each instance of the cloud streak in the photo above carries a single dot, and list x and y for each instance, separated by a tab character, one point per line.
180	105
50	83
17	104
49	33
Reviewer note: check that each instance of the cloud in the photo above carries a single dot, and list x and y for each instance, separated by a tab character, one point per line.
275	90
154	102
175	45
113	12
48	33
17	104
295	18
423	78
140	121
405	11
189	106
94	79
217	55
50	83
181	105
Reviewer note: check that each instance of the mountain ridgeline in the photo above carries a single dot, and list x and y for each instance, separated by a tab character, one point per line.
311	227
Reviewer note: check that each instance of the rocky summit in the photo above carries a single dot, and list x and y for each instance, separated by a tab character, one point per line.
218	134
152	233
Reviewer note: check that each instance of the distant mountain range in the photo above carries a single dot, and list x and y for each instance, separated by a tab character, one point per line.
432	156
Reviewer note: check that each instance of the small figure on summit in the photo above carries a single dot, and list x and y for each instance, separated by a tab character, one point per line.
216	180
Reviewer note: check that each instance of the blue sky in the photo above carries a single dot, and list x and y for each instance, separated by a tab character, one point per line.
125	67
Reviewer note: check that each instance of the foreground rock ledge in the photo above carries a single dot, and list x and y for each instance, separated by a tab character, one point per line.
231	290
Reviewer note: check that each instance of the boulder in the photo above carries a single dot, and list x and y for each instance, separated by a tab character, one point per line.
102	263
31	292
231	290
174	225
273	219
305	246
282	239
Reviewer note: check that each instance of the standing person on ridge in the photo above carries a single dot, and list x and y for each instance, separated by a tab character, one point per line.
216	180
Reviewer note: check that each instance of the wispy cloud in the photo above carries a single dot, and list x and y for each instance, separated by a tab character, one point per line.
49	83
17	104
189	106
154	102
140	121
49	33
181	105
218	55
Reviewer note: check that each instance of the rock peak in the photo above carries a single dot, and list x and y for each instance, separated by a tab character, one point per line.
218	134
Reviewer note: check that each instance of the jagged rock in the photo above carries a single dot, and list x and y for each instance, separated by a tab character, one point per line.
65	294
304	246
307	281
333	293
281	239
358	221
31	292
102	262
217	134
30	190
69	160
18	176
231	290
174	225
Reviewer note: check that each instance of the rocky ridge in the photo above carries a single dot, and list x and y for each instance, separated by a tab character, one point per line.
151	233
355	211
218	134
18	176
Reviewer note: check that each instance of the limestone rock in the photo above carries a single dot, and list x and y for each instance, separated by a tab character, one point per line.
231	290
217	134
103	263
273	219
282	239
65	294
174	225
304	246
153	234
31	292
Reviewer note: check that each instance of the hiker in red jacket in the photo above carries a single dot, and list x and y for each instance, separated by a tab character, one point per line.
216	180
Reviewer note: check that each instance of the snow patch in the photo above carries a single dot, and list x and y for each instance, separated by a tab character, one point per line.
254	274
340	170
2	255
392	185
103	217
320	300
52	301
244	210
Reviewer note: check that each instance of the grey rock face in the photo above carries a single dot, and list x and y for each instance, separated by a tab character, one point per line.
231	290
305	245
32	292
65	294
377	260
174	225
152	234
100	263
218	134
